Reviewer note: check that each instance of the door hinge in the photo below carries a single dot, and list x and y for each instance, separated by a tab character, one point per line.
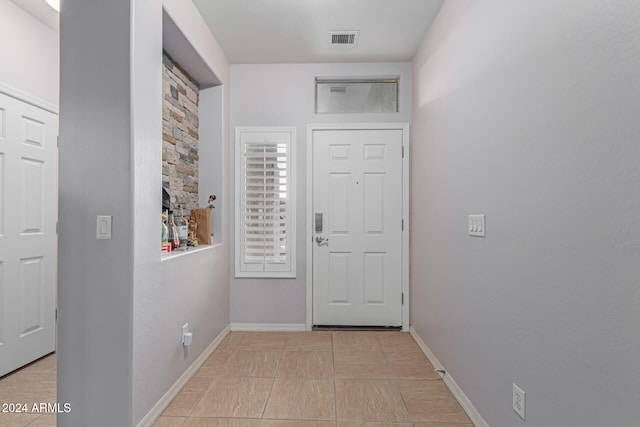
56	314
403	225
403	151
403	298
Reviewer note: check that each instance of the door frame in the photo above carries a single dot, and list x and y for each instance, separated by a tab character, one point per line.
404	127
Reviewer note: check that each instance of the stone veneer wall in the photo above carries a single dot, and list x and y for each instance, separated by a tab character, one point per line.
180	96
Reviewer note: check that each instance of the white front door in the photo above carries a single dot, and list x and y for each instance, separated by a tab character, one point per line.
28	239
357	227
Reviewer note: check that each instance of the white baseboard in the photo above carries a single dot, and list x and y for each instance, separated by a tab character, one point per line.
165	400
269	327
455	389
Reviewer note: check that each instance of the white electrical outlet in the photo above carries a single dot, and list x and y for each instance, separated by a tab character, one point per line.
476	225
185	330
187	337
518	400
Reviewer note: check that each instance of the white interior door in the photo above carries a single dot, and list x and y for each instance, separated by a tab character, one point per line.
357	250
28	239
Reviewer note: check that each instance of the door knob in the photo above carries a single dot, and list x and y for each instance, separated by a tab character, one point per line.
320	240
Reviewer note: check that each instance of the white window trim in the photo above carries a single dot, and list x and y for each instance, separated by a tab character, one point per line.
241	270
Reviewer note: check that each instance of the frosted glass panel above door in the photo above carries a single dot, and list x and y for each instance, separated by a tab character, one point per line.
356	96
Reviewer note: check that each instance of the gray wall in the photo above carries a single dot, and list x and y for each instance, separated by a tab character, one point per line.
192	288
120	307
29	54
528	112
95	277
283	95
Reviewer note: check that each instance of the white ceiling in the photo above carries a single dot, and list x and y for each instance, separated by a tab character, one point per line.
296	31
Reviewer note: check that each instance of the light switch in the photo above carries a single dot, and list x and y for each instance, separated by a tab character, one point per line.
476	225
103	227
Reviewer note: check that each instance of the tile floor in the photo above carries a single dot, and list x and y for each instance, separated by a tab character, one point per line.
315	379
288	379
35	383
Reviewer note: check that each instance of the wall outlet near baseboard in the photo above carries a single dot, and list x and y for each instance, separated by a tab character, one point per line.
187	336
518	400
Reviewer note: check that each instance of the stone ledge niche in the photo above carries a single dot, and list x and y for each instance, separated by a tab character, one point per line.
209	174
180	137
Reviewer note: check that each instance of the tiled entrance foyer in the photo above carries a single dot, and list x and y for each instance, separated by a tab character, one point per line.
296	379
35	383
315	379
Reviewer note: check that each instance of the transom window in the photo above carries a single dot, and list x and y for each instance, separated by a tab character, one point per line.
349	96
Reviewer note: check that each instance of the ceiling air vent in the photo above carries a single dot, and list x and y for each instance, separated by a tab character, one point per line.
343	38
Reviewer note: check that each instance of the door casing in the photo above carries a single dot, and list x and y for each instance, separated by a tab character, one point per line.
404	127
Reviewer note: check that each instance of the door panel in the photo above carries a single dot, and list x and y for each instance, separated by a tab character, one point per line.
32	289
374	278
338	276
2	188
374	203
28	239
338	219
32	196
357	258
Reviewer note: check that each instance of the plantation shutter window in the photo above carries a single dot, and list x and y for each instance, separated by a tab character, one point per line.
265	241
